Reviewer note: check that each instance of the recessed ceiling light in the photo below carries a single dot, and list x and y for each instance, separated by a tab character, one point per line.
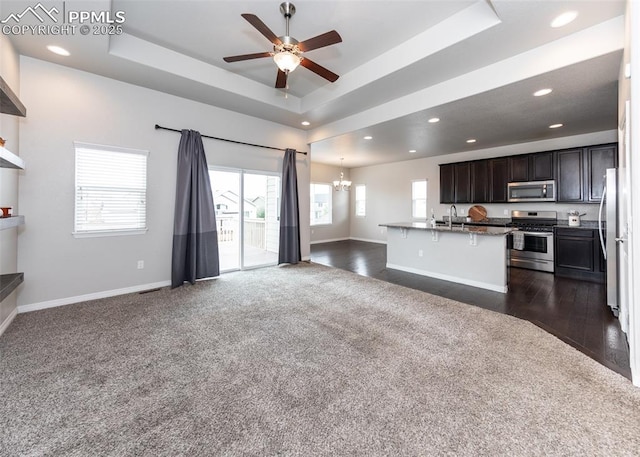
564	19
541	92
471	140
555	126
368	137
433	120
305	123
412	151
58	50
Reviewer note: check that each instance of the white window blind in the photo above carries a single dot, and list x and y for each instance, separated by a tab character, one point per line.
419	198
111	189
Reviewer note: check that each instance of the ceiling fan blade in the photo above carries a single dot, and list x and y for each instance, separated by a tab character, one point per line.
319	70
281	80
261	27
256	55
320	41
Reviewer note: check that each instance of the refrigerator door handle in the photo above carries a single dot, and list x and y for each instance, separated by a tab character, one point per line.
600	228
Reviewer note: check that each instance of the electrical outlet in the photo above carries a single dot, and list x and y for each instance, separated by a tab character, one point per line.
140	264
506	212
420	252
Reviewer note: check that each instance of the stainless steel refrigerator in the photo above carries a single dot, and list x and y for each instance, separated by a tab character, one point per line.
610	235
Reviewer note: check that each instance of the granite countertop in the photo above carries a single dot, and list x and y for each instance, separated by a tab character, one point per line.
583	224
464	228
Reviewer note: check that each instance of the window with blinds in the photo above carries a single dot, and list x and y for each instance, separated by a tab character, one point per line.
111	190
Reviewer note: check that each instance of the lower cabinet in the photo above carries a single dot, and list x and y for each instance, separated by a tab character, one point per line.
578	254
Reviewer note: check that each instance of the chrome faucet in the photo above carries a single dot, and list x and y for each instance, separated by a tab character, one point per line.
452	211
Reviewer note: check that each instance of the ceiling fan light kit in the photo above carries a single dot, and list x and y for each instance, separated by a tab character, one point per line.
287	51
286	61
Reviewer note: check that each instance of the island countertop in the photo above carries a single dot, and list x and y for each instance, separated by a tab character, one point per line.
480	230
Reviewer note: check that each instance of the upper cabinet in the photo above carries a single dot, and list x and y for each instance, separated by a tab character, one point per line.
455	183
570	175
579	174
597	160
480	181
498	179
462	181
531	167
9	102
447	183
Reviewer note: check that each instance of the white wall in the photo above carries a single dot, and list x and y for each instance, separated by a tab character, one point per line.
66	105
339	229
389	185
9	130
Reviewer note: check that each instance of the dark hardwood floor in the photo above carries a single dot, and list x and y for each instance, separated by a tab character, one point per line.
572	310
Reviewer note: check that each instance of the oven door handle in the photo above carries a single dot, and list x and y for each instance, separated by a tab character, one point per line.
540	234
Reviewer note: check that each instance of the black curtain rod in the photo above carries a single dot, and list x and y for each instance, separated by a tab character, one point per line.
229	141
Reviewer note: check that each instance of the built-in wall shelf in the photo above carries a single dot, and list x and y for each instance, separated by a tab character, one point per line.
9	101
13	221
9	160
8	283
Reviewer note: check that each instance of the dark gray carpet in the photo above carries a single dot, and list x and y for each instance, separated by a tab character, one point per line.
302	360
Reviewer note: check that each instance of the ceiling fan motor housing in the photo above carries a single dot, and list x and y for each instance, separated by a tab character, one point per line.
288	44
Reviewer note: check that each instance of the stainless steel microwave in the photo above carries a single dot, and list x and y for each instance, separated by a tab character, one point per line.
532	191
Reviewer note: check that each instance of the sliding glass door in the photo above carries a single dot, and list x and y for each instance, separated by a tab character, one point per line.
247	213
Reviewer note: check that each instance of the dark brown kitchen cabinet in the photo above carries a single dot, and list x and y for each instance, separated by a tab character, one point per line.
480	181
498	179
597	160
569	171
578	254
447	182
541	166
462	179
519	168
531	167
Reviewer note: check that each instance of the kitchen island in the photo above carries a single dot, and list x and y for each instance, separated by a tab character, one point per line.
472	255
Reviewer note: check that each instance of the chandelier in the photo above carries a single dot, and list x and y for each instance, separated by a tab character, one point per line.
341	184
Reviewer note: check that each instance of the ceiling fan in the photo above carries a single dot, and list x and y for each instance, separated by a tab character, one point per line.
287	51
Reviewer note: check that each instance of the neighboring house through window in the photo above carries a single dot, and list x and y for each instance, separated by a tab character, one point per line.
321	211
111	190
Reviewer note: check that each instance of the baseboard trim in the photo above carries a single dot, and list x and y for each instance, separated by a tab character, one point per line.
88	297
367	240
7	322
468	282
329	241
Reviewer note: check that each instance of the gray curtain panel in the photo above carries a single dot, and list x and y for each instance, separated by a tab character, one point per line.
289	211
195	239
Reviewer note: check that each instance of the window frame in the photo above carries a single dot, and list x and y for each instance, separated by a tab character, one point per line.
414	199
93	233
364	200
311	203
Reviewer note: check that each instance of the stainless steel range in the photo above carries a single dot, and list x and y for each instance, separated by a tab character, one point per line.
532	244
